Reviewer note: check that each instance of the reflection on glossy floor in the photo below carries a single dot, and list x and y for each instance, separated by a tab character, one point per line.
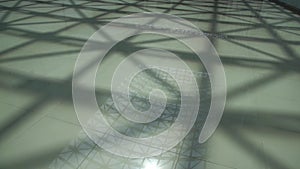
40	41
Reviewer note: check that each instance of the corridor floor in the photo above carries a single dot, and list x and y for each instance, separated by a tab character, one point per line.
258	44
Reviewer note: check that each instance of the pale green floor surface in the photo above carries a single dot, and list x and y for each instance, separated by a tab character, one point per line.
40	41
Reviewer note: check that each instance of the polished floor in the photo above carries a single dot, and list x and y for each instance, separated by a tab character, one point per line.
259	48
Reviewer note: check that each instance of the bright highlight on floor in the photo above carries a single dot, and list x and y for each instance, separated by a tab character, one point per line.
149	165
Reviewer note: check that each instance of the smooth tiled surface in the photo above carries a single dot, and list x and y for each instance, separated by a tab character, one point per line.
40	41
